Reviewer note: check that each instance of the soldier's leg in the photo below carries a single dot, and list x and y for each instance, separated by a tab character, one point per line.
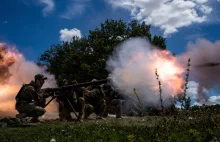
106	109
35	112
88	109
116	103
31	110
101	107
80	107
64	113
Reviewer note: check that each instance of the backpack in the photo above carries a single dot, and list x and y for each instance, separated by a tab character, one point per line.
20	91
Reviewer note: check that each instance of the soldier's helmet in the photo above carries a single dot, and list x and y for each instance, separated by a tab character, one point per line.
94	80
74	82
40	76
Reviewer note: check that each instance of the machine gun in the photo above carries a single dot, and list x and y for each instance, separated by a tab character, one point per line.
71	87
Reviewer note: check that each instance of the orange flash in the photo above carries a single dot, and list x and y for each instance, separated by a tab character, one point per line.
13	73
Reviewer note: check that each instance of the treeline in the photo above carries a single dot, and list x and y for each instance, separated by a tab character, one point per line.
85	59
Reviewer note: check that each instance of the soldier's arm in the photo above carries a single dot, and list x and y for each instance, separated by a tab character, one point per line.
91	92
46	95
102	93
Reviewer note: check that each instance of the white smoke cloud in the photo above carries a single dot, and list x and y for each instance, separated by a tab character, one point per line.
67	35
192	90
202	52
133	66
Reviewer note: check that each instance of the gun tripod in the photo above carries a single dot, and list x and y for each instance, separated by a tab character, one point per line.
55	96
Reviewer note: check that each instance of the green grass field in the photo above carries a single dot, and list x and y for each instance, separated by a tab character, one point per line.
184	127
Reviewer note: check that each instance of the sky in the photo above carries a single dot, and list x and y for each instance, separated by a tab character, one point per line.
34	25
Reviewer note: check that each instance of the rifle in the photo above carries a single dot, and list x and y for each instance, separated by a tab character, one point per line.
70	87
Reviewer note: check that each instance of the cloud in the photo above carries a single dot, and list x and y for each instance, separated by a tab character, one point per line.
67	35
49	7
196	104
5	22
214	99
77	7
169	15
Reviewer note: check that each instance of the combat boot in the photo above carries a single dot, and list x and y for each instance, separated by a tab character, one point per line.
36	120
21	115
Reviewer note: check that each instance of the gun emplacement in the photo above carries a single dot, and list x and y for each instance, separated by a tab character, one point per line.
75	86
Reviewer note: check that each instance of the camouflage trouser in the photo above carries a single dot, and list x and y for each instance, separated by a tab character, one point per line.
113	106
98	108
64	112
89	109
30	110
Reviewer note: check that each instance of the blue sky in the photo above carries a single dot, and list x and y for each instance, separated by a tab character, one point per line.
34	25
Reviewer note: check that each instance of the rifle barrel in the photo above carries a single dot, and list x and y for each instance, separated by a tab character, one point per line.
74	86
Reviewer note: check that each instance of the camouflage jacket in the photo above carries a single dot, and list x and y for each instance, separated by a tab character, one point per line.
31	95
94	95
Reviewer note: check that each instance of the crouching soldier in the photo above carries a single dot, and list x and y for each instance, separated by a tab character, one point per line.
113	103
94	97
73	98
30	101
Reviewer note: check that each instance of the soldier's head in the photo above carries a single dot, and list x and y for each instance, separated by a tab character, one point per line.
39	80
94	86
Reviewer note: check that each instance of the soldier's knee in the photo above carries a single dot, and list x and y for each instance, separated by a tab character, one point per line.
81	100
39	110
89	107
103	102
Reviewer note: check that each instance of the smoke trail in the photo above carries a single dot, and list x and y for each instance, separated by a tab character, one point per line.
133	65
16	70
202	52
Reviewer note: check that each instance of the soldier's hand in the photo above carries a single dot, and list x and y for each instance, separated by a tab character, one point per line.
51	94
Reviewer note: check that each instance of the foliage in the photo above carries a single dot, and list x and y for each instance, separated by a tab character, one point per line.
85	59
195	125
160	90
186	101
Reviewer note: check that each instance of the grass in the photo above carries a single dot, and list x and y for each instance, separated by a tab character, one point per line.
183	127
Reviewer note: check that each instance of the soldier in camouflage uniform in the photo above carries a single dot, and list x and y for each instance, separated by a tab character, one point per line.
30	102
112	100
94	97
76	99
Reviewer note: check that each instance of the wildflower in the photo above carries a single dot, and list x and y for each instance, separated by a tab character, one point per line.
131	138
190	118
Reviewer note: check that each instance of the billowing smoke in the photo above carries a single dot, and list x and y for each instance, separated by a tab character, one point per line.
202	52
15	70
133	65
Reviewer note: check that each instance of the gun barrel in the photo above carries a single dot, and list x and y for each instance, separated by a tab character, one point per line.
74	86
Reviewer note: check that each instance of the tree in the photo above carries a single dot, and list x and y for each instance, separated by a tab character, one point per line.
85	59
